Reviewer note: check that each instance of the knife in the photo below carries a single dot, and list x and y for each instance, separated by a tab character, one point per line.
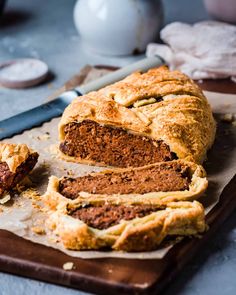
45	112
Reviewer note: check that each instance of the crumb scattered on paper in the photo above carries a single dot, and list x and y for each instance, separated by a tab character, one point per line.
38	230
69	172
68	266
228	118
31	194
5	199
44	136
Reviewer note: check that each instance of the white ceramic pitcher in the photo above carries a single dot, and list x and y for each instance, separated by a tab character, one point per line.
118	27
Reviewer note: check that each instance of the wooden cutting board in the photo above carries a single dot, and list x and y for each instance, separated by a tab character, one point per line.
112	275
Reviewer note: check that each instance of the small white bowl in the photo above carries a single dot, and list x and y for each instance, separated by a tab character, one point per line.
123	27
22	72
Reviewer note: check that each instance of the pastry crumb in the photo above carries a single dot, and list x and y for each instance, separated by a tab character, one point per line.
228	118
53	240
44	136
5	199
38	230
32	194
36	206
68	266
69	172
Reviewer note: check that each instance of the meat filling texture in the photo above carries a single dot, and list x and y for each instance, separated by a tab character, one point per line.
9	179
90	141
169	176
105	216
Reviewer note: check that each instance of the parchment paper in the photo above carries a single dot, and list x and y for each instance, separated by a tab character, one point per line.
23	216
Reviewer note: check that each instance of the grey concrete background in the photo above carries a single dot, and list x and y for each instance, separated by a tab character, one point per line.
44	29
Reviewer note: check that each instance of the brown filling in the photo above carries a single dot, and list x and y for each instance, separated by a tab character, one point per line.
105	216
169	176
9	179
113	146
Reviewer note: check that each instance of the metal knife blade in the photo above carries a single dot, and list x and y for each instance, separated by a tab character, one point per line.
45	112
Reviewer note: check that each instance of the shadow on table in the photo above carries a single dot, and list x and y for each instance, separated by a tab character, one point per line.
12	18
49	78
220	155
220	160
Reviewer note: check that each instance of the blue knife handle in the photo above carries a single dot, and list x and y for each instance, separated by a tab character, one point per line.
36	116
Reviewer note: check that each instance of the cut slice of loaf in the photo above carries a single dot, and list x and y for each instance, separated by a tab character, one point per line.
130	226
164	182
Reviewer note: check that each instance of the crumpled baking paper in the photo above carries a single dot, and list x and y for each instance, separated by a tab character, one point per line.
22	215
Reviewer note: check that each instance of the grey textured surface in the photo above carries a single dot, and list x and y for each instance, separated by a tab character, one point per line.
44	29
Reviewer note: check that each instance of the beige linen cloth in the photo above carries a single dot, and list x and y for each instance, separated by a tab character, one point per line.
204	50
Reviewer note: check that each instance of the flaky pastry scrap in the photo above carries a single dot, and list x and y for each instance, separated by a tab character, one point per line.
16	161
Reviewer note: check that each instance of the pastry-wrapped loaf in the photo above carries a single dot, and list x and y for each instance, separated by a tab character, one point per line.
156	116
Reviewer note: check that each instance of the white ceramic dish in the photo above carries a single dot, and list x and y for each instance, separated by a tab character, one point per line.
123	27
22	72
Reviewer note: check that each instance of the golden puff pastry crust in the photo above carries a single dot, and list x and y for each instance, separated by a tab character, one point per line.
196	177
159	104
14	154
16	161
138	234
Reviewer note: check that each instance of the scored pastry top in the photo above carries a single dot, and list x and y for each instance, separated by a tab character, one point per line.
160	104
155	84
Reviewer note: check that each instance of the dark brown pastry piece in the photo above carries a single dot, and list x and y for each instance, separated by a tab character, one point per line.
166	176
9	179
91	141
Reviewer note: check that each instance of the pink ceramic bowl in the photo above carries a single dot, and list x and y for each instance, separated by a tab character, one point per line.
224	10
